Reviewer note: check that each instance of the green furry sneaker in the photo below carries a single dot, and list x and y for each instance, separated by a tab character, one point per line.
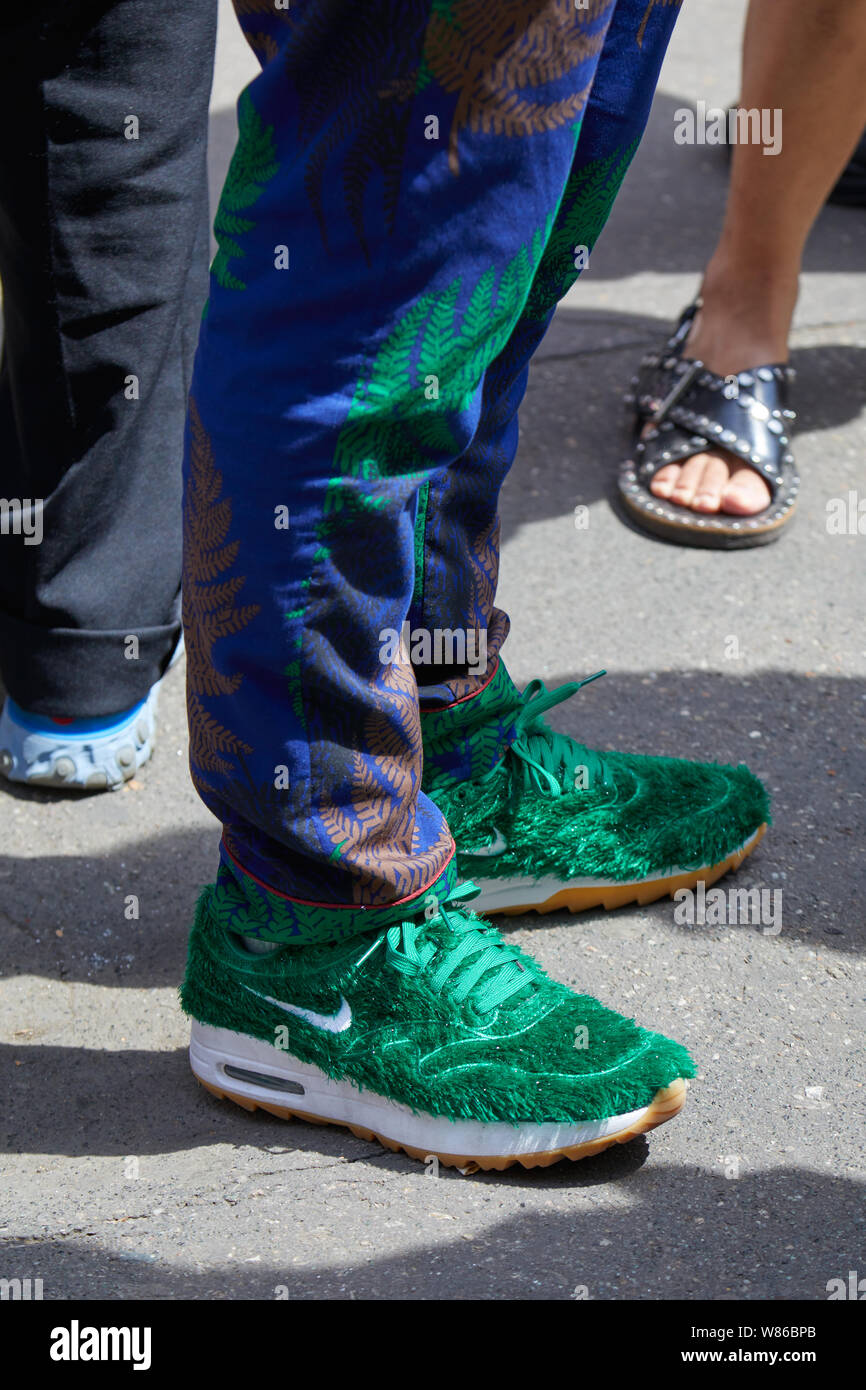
542	823
430	1034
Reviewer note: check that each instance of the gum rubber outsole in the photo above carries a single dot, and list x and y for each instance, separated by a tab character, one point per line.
665	1104
610	896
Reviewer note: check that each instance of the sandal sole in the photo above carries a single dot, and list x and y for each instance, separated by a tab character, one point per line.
710	536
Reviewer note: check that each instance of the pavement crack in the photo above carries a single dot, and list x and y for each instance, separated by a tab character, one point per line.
27	931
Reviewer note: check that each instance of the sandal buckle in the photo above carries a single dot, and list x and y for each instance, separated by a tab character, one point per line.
677	391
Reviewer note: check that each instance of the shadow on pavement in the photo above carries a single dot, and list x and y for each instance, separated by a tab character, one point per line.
669	211
64	916
88	1102
682	1232
574	429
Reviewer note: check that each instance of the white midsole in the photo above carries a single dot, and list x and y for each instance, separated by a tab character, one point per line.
212	1049
521	891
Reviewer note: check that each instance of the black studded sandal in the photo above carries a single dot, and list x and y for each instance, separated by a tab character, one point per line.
691	409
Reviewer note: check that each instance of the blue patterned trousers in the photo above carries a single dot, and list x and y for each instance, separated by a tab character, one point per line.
415	185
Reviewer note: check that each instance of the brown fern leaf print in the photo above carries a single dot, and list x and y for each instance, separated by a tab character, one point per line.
494	55
648	13
354	104
484	559
484	565
210	610
209	739
376	831
264	46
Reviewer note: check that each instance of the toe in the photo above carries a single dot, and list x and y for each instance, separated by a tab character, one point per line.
708	493
687	483
665	480
746	493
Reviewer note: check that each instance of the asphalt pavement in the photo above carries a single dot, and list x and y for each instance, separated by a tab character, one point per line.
122	1178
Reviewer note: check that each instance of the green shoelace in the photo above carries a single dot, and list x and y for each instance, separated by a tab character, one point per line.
551	763
469	956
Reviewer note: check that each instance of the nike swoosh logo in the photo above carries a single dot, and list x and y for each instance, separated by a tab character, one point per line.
328	1023
496	847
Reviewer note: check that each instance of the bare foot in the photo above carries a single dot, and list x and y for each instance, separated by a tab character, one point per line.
713	482
718	481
